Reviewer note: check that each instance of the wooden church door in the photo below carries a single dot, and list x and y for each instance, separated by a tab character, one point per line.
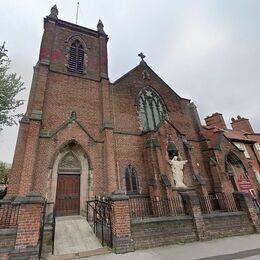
68	187
68	195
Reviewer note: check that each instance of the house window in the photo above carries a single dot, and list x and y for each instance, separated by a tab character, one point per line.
76	58
152	111
257	147
257	175
242	147
131	180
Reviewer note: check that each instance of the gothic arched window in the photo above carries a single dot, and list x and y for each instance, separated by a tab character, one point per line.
152	111
76	58
131	180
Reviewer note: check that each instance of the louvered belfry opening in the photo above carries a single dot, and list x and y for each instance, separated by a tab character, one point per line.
76	59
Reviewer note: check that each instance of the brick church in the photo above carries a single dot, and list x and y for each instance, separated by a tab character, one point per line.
83	136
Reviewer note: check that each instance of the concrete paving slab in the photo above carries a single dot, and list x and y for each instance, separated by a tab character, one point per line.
73	234
242	247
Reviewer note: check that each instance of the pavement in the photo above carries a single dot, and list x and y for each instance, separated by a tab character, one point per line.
241	247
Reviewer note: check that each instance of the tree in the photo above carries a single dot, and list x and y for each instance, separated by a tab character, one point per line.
4	172
10	86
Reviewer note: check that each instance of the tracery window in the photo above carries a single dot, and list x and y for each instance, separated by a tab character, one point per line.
152	111
131	180
76	58
69	163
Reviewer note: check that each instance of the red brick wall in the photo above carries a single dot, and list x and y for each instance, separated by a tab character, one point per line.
28	226
15	176
242	124
130	143
216	120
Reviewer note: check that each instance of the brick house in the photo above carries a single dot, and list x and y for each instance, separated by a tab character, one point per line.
240	148
83	136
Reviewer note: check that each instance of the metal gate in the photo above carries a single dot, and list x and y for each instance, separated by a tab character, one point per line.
99	213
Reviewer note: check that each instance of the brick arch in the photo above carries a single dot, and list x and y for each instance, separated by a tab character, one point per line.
75	37
231	155
234	167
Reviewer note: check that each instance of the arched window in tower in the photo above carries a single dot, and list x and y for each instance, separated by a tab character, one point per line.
152	110
76	58
131	180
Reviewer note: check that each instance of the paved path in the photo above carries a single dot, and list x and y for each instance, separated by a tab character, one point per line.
73	234
242	247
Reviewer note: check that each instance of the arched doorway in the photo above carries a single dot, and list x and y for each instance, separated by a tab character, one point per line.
236	171
68	186
71	164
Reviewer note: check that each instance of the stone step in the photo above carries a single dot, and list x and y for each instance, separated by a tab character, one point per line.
99	251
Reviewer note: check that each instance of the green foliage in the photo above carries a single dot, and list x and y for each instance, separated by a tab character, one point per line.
10	86
4	172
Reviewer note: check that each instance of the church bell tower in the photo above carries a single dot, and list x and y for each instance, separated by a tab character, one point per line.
68	118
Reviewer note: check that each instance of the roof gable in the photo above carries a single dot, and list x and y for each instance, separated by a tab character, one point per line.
146	69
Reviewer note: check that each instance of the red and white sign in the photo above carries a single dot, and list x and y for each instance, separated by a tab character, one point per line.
244	184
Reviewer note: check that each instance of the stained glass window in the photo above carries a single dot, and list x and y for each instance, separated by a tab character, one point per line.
151	109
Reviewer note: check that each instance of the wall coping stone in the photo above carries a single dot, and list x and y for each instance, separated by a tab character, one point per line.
6	200
224	214
108	125
31	198
24	253
118	195
8	231
160	219
191	196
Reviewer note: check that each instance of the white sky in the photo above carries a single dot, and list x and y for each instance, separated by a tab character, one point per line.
208	51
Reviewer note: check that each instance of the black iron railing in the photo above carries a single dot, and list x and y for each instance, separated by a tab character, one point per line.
99	213
8	214
156	207
222	202
53	230
42	224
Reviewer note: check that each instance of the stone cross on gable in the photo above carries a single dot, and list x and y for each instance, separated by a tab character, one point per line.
142	56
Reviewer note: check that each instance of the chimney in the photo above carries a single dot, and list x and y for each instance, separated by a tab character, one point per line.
216	120
241	124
